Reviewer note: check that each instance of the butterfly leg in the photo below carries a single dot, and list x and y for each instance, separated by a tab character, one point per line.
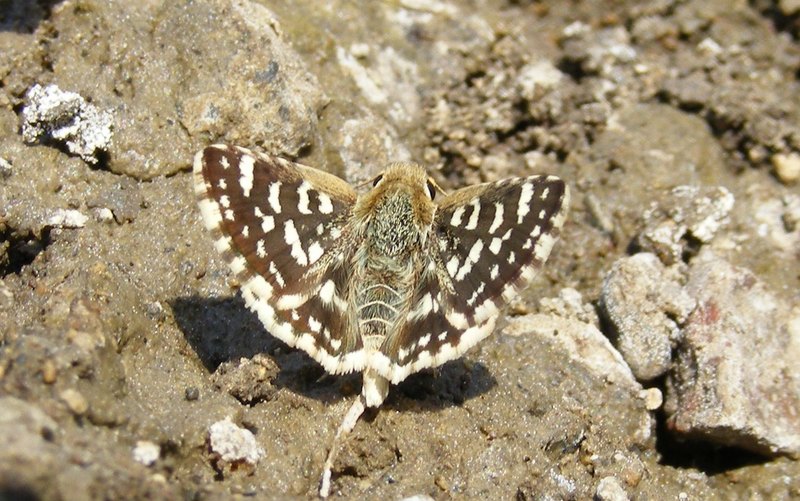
373	393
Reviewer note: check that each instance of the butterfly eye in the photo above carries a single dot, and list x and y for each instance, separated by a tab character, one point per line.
431	190
377	180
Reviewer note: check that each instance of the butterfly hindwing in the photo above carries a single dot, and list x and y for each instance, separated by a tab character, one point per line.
278	224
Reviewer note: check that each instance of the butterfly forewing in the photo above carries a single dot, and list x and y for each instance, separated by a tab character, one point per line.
495	236
278	225
486	241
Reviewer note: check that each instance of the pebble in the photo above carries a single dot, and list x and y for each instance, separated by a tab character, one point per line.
49	372
5	168
610	489
645	306
146	452
75	401
67	218
653	398
66	117
234	443
191	394
787	167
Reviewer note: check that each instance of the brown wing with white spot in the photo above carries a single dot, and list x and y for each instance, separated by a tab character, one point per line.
281	227
486	242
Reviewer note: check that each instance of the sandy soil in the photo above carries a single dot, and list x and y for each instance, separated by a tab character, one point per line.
123	339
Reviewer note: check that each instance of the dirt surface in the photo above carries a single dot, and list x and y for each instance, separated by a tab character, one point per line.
123	340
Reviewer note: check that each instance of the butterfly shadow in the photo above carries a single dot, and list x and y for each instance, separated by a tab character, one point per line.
222	331
450	385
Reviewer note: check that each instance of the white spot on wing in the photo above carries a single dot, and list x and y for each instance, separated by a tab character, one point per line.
327	292
452	266
424	340
457	320
523	206
238	264
455	220
498	217
472	258
302	192
277	275
496	245
246	174
325	204
292	239
273	199
473	218
210	213
223	244
543	247
485	310
224	201
258	286
267	224
290	301
314	252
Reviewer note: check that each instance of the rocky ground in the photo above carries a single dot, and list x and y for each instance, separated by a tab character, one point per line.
654	358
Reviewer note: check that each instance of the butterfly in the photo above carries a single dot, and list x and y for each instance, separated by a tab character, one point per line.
387	282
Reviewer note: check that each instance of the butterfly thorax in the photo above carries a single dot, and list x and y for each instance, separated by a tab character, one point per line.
392	232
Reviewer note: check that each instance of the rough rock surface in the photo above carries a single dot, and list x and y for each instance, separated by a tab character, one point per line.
686	218
736	380
52	114
646	307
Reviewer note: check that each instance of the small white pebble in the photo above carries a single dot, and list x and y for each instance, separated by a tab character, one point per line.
710	47
787	167
359	50
610	489
104	215
146	452
67	218
575	29
234	443
652	398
